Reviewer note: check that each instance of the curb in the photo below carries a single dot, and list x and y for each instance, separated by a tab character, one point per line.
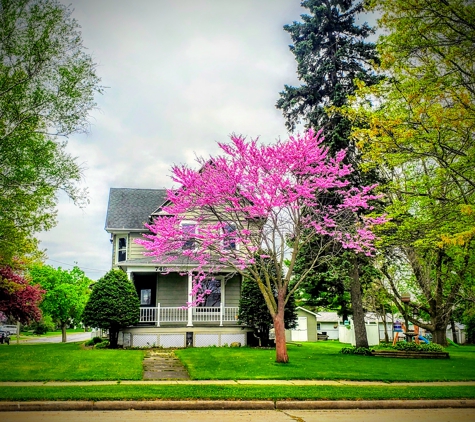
232	405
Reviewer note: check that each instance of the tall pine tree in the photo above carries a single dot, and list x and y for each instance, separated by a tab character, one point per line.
331	53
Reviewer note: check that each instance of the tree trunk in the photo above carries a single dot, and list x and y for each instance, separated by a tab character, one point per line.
385	322
361	338
63	332
281	355
454	331
113	338
439	336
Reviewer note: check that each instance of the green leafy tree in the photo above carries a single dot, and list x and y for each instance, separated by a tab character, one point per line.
332	53
113	305
418	129
254	313
66	293
47	87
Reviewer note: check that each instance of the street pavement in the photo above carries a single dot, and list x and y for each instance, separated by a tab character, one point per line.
70	338
358	415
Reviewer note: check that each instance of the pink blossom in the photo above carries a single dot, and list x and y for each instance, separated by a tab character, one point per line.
260	197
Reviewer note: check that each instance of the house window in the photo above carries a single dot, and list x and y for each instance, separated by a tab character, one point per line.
212	293
145	296
189	230
121	249
229	236
318	326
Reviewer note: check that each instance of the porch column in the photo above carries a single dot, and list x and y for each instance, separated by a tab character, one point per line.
190	309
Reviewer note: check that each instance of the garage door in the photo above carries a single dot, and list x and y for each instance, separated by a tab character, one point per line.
300	333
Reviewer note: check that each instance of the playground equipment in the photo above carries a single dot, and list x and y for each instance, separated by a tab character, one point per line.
399	327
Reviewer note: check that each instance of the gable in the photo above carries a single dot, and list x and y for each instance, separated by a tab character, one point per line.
129	209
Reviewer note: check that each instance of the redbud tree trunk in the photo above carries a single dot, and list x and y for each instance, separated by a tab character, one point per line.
281	355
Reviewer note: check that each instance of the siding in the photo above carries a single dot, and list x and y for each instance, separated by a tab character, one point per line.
233	291
135	251
172	290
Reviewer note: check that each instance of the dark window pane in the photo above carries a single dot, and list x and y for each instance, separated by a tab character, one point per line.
213	298
122	242
121	256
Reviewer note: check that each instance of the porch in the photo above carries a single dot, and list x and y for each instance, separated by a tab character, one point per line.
217	315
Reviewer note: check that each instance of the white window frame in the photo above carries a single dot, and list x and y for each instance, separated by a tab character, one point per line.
119	249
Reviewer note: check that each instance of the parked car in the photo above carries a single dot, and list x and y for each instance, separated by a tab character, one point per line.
4	337
11	329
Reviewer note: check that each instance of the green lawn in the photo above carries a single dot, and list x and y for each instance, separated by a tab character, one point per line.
72	362
322	360
28	334
68	362
231	392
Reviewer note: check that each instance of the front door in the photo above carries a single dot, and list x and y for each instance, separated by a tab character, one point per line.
300	332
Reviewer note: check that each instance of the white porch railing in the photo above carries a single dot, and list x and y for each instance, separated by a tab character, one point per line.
157	315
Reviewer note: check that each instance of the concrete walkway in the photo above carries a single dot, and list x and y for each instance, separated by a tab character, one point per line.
162	364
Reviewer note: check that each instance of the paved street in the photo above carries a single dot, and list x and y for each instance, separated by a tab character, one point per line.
71	337
426	415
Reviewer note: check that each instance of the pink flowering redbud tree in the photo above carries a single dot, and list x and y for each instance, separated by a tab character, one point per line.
256	204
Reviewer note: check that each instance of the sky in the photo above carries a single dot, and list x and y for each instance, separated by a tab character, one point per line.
181	75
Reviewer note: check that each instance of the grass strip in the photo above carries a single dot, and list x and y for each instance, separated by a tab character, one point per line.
238	392
68	362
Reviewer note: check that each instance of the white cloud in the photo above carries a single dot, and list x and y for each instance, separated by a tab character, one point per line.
182	75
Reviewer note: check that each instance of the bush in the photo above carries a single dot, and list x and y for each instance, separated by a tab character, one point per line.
113	304
365	351
42	327
102	345
414	347
94	341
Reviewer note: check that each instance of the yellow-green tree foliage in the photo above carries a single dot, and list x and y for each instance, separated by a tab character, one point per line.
419	129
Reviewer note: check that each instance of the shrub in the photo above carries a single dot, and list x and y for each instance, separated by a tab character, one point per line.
96	340
43	326
102	345
365	351
414	347
113	305
89	342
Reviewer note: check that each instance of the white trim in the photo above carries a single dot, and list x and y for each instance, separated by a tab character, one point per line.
117	249
190	309
190	223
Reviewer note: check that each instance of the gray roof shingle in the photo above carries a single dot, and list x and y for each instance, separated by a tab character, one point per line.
130	208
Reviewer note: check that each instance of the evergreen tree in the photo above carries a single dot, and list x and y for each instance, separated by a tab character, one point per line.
113	305
331	53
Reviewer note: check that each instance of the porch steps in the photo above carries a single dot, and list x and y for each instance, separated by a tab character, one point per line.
163	365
